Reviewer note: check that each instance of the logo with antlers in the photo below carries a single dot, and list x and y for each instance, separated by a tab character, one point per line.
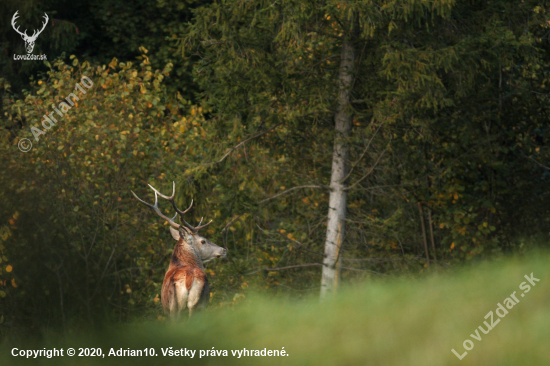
29	40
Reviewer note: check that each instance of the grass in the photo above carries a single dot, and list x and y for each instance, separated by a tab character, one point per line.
384	322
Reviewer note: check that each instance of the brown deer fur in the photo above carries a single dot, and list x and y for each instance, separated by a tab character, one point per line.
185	284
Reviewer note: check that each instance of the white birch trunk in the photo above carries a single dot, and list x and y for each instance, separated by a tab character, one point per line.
338	196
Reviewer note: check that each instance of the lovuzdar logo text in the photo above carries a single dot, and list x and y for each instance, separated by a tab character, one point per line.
29	40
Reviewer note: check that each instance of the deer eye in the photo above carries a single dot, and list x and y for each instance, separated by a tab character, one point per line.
203	242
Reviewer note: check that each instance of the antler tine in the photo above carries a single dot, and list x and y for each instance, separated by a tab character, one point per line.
163	195
203	226
171	198
188	208
173	202
13	19
156	209
37	32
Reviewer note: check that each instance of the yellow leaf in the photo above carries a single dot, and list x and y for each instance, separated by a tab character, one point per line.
9	268
13	283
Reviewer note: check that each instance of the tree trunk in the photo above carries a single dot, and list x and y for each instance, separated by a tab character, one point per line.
432	232
424	233
338	195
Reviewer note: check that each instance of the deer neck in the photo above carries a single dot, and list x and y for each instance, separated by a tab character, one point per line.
185	254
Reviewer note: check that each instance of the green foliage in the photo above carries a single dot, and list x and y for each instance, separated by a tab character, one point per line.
432	116
81	244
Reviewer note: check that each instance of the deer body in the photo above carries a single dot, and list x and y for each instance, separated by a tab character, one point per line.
185	285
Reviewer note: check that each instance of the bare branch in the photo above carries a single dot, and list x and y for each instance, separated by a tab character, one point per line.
363	270
299	246
536	161
231	222
289	190
245	141
287	267
368	173
363	154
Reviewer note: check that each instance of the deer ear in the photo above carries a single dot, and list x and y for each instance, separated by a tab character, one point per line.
175	233
190	239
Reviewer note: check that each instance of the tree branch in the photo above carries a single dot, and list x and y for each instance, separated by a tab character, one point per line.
289	190
368	173
363	154
231	222
245	141
287	267
535	161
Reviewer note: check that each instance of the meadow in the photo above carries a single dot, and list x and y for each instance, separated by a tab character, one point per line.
399	321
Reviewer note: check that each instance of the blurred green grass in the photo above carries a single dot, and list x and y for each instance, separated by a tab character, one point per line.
380	322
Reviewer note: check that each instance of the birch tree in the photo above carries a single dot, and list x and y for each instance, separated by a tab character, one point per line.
338	194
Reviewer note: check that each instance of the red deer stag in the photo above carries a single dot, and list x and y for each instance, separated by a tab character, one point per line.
185	284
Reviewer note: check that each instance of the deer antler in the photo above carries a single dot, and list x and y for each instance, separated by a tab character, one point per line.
35	34
24	34
178	211
13	19
155	207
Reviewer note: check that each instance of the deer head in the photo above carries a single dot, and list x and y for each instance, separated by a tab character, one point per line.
29	40
190	234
